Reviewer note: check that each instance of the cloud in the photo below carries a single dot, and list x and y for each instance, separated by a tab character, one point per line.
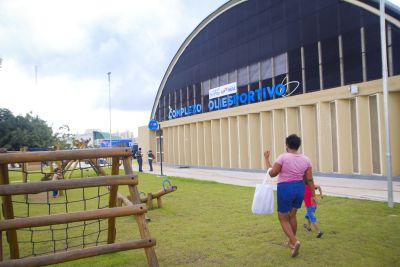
75	43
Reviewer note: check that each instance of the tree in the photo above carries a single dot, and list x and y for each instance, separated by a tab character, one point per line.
28	130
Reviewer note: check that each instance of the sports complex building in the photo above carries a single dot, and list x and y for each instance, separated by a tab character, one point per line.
255	71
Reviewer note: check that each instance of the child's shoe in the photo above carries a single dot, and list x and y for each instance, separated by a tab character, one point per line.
308	228
320	233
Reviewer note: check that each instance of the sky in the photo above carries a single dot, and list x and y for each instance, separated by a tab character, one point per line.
56	56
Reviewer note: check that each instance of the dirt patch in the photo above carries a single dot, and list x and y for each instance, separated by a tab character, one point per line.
40	197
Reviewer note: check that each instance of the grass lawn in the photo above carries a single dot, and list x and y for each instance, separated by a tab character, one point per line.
211	224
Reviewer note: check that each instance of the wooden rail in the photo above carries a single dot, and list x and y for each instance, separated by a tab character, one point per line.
123	200
37	221
45	186
79	253
78	154
150	196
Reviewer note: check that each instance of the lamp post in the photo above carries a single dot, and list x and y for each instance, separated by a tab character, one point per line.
109	102
386	104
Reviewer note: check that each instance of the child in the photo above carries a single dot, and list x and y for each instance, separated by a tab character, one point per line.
311	207
57	176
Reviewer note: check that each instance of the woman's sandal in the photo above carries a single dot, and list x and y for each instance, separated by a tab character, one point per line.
295	249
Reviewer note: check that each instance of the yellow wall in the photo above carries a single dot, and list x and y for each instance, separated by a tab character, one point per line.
237	137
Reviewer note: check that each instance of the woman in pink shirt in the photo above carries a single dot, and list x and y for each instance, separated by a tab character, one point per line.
293	169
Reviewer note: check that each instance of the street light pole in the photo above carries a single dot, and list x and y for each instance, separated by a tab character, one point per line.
386	104
109	102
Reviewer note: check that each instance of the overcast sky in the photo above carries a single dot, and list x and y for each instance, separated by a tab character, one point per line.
73	44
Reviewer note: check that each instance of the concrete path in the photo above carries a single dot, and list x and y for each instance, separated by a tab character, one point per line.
371	189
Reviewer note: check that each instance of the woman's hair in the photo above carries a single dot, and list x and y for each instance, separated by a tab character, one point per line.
293	141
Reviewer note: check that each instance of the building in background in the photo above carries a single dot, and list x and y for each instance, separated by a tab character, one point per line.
255	71
102	139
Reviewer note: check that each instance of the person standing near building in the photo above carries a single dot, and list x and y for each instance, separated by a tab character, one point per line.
139	158
294	169
150	157
57	176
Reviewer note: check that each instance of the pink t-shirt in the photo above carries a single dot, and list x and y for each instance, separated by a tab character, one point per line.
293	167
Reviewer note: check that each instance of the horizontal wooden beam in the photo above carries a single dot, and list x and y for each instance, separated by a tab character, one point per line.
79	253
160	193
164	192
78	154
124	199
46	220
45	186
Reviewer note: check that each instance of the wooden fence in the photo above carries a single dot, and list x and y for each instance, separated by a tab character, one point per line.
134	206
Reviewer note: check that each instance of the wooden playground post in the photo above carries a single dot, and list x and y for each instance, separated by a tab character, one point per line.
24	169
159	202
140	219
149	200
8	213
112	202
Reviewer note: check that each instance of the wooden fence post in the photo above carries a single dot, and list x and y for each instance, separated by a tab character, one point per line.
140	219
112	202
8	213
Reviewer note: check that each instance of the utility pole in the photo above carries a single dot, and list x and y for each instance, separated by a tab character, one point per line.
109	103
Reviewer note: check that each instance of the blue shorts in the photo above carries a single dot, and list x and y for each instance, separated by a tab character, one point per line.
310	214
290	196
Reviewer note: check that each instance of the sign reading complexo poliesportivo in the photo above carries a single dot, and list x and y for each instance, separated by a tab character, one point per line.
226	96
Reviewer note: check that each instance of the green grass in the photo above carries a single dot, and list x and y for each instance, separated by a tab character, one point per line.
211	224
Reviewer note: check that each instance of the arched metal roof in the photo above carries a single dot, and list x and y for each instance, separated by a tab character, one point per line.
370	6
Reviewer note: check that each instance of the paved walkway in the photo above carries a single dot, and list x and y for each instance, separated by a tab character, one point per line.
371	189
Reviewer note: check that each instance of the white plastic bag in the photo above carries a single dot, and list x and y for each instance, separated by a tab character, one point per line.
263	200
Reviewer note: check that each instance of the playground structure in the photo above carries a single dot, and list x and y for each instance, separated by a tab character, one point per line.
67	167
65	221
148	199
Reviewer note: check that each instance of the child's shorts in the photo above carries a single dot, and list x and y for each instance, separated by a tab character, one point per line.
310	214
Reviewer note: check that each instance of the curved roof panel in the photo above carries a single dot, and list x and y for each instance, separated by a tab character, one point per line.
242	32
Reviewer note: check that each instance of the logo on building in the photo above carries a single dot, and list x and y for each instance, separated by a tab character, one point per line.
226	96
185	111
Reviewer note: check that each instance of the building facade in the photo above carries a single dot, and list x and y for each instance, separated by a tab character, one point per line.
256	71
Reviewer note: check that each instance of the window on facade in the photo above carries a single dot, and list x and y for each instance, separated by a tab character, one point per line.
197	92
205	90
330	62
243	78
191	97
311	67
172	100
352	56
295	71
266	69
280	64
373	52
223	79
232	76
205	103
254	73
205	87
184	97
214	82
396	49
